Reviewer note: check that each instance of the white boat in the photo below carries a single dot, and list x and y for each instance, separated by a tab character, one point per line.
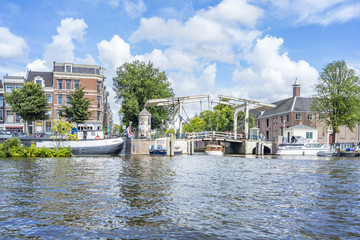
111	146
214	150
300	149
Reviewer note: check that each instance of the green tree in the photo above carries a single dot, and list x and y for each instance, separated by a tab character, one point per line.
337	98
220	119
136	83
61	132
29	102
78	111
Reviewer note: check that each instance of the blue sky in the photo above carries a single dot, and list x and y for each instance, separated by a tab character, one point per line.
250	49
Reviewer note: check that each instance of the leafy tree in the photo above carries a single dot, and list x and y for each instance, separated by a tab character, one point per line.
29	102
61	131
136	83
196	124
78	111
222	119
337	98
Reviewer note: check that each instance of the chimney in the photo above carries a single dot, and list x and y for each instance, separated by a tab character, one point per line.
296	88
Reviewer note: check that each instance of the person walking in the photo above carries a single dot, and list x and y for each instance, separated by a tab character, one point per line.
85	134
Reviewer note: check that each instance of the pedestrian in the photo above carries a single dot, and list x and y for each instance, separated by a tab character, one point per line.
85	134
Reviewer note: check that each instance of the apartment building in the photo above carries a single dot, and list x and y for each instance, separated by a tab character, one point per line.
9	120
57	85
67	77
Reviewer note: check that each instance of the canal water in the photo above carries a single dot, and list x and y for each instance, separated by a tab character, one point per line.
185	197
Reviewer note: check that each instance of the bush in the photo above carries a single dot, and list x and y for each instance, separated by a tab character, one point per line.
13	148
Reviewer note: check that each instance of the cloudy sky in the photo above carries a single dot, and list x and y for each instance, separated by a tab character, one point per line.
243	48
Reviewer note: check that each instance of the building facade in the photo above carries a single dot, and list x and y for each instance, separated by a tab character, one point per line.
9	121
290	112
57	86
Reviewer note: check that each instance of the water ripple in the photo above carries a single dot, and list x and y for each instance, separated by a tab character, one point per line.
186	197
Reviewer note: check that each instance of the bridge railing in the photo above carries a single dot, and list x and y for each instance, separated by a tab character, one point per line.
213	134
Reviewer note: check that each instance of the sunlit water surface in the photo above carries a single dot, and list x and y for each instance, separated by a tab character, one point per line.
185	197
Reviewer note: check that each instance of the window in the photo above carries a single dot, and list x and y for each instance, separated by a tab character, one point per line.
98	101
98	86
298	116
48	98
258	124
9	117
281	119
68	84
309	116
267	122
38	82
59	114
17	118
1	101
67	68
76	83
9	88
60	84
67	101
98	116
18	86
287	118
1	116
48	112
60	99
309	135
48	126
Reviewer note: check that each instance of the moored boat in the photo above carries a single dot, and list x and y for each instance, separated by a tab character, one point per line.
111	146
160	148
300	149
214	150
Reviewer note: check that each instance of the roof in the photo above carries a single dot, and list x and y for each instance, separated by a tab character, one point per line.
300	126
47	76
293	104
144	113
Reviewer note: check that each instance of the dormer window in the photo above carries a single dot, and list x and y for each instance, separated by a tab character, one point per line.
67	68
39	81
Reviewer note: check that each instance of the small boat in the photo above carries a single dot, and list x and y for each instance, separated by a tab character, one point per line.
160	148
300	149
346	150
111	146
214	150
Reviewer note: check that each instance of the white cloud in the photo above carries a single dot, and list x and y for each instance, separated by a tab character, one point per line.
12	46
38	65
187	84
323	12
114	53
87	60
211	34
62	47
271	73
134	9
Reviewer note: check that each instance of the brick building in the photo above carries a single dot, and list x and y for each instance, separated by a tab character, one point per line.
57	85
295	111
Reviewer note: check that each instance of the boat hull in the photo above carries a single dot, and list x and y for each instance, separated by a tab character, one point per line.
92	147
214	153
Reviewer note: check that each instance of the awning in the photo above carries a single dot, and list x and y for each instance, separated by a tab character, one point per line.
13	127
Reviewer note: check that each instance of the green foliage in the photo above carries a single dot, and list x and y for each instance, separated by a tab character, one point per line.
61	131
220	119
118	129
337	98
29	102
136	83
13	148
78	111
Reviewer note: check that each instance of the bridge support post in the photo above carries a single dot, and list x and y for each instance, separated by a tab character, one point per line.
172	145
